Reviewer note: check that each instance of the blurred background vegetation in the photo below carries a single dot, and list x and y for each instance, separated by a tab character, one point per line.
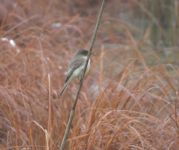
130	98
154	23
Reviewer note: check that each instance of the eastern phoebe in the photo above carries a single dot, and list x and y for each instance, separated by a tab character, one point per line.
76	67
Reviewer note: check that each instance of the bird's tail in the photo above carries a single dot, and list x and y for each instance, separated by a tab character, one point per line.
63	89
65	86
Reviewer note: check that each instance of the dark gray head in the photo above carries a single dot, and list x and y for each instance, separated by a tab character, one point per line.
82	52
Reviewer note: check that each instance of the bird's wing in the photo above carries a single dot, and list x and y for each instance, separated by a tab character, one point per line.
76	63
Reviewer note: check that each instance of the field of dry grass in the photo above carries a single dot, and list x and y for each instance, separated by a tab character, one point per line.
129	101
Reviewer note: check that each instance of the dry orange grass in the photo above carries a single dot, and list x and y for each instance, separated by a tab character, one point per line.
124	103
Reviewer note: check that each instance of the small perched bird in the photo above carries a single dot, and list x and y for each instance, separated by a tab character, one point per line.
76	68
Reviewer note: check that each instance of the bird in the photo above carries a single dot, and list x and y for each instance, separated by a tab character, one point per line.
76	68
